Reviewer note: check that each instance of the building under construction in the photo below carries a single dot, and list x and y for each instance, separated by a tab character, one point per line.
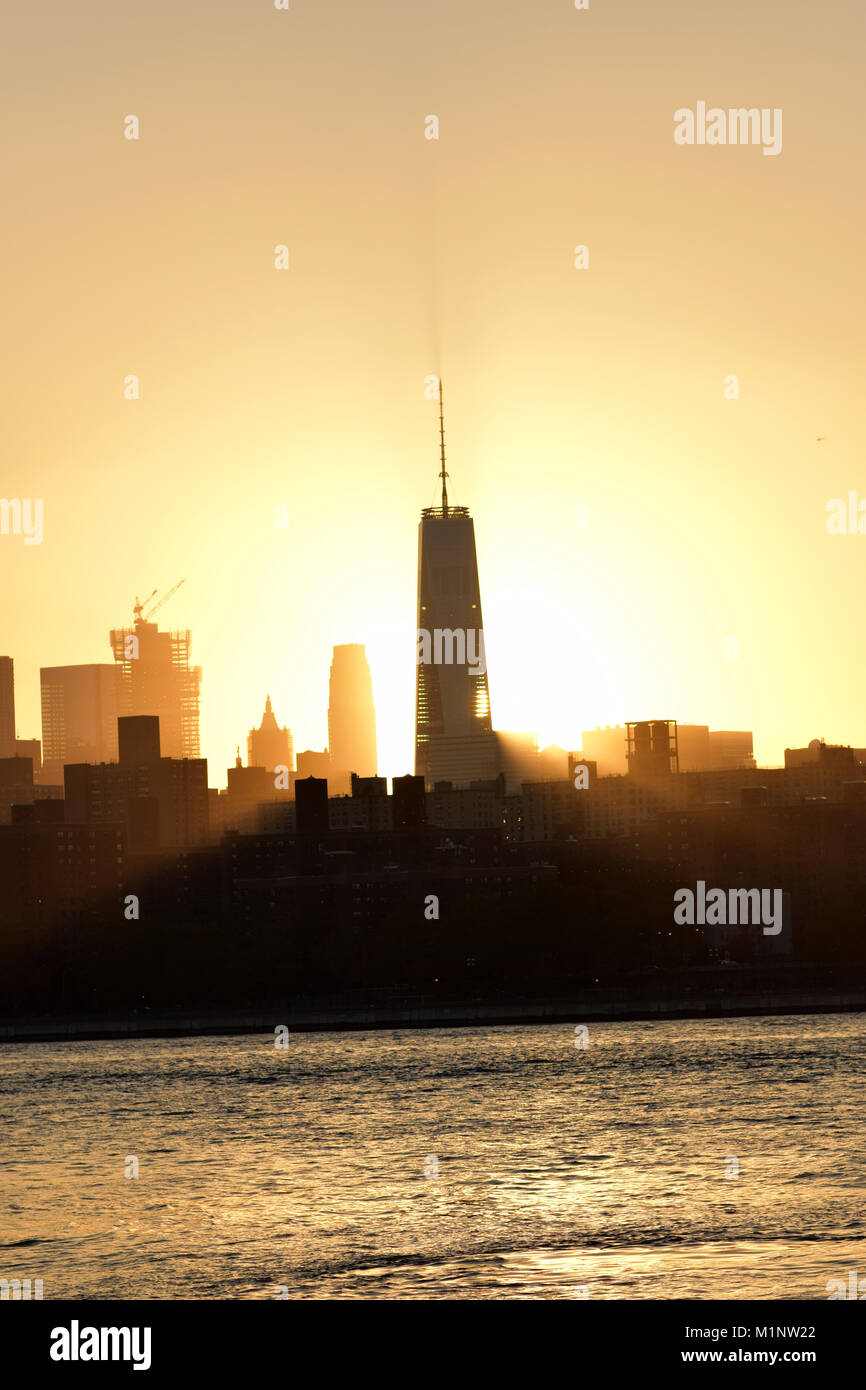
155	677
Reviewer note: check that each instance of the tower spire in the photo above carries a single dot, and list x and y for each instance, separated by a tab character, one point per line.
443	475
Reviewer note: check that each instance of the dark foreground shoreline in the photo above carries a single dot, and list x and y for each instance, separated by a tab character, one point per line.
307	1018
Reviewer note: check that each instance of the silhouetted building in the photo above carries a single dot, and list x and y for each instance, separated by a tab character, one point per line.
155	677
615	807
452	697
39	813
802	847
479	807
482	757
270	746
30	748
826	755
652	748
550	811
369	786
731	748
351	716
461	759
277	817
701	749
263	918
7	707
16	785
409	807
216	808
162	801
138	741
311	806
55	874
247	789
79	716
368	808
755	796
518	759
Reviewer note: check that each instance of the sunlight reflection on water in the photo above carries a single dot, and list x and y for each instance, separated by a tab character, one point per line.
556	1169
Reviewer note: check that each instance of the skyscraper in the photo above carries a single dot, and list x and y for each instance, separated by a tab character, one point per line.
453	728
155	677
79	716
7	708
270	746
351	714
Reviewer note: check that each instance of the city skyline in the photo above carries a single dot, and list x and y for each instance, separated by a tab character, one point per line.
600	389
155	637
436	788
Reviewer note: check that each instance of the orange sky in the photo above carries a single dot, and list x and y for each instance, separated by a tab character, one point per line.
601	388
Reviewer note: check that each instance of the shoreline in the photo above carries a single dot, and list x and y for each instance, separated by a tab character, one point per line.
466	1015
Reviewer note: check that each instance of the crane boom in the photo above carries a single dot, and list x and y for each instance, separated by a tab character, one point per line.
156	607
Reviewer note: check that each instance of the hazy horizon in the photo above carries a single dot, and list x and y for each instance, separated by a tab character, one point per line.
564	388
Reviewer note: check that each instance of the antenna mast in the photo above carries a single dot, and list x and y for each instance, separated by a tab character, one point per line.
443	475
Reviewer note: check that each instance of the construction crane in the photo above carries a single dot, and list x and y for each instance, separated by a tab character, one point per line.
138	605
138	608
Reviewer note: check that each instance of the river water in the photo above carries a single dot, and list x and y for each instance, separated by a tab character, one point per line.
699	1159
